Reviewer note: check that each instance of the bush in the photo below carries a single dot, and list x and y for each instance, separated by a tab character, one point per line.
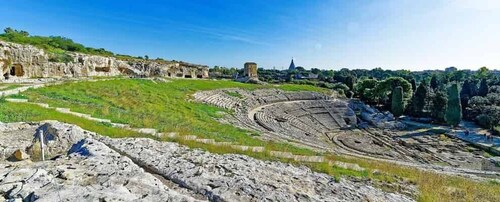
60	57
484	121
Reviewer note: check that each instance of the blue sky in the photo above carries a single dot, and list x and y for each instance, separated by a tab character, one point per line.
329	34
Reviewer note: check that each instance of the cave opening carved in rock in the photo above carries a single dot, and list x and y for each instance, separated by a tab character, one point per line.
103	69
16	70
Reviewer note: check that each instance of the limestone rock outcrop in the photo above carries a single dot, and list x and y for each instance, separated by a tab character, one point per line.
26	61
87	171
97	168
233	177
382	120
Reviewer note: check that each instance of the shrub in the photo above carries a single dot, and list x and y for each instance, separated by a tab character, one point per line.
60	57
484	121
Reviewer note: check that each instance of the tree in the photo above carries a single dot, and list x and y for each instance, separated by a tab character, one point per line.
397	105
364	88
476	106
384	88
483	73
438	106
146	57
350	80
413	84
465	94
419	100
434	82
8	30
483	88
453	114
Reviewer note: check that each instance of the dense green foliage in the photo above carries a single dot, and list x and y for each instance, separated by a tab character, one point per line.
383	89
483	88
434	82
397	101
438	104
453	114
418	101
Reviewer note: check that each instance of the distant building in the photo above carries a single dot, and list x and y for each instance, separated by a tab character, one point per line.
250	70
292	66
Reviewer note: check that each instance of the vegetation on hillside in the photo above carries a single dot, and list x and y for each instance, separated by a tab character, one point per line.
58	47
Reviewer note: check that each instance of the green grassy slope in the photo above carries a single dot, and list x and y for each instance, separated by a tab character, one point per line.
163	106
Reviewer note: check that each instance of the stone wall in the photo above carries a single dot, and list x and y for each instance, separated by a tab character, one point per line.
26	61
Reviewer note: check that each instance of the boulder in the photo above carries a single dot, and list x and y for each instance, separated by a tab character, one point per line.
20	155
58	139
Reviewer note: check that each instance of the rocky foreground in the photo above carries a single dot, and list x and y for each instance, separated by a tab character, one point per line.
82	165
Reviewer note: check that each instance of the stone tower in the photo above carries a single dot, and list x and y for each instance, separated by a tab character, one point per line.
251	70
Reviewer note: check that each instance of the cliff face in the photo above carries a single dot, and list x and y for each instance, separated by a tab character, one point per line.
25	61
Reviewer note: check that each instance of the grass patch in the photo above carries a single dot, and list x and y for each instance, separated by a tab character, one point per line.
432	186
17	112
234	94
5	87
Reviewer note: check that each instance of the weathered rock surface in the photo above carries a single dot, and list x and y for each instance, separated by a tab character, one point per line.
89	171
25	61
240	178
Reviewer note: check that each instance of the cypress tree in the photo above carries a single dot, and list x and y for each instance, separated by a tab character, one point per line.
483	88
473	88
434	82
453	114
413	84
397	107
419	100
465	94
350	80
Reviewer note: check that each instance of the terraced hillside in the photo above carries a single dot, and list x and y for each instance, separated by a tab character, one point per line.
169	106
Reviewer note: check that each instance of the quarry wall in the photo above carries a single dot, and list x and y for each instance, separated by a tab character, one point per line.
26	61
